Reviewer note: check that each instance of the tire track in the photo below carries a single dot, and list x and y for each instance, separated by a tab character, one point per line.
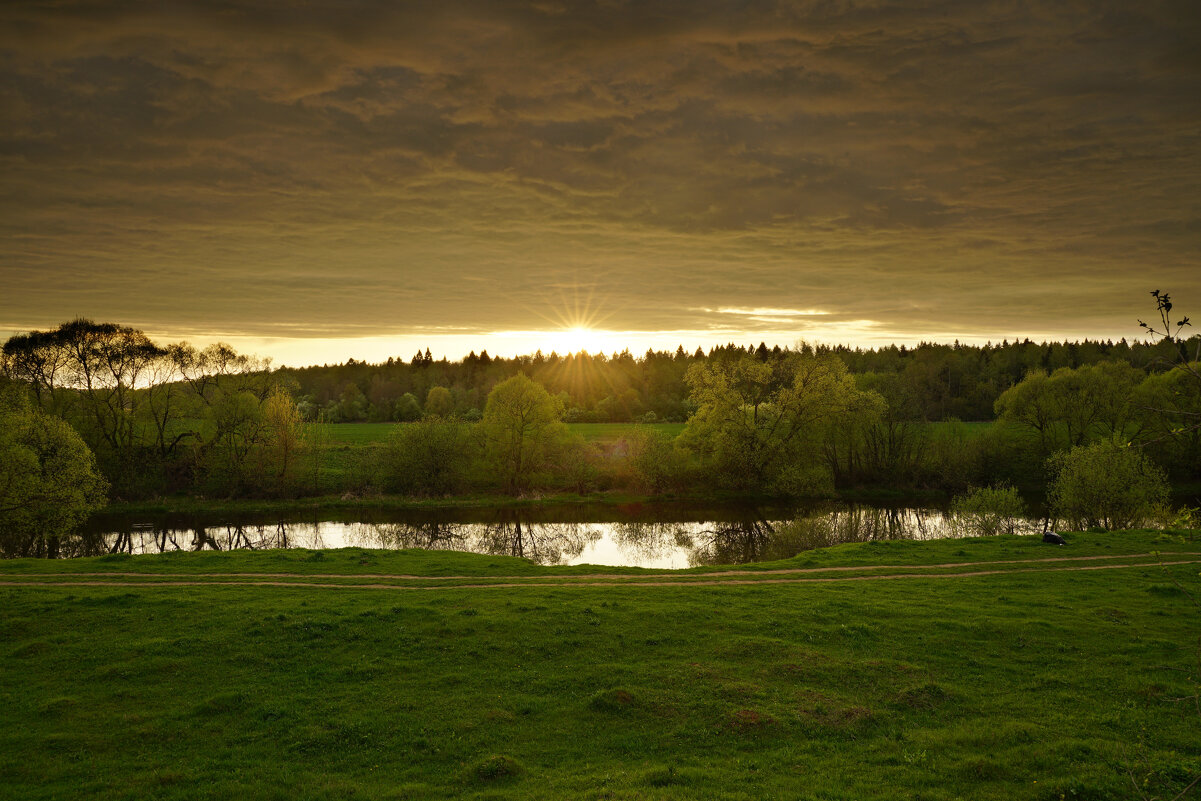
586	583
592	577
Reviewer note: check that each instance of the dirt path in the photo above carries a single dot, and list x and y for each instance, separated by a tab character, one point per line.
716	579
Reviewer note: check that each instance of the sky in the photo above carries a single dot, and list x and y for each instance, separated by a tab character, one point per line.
344	178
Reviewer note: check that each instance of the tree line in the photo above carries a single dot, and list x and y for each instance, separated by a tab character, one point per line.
929	382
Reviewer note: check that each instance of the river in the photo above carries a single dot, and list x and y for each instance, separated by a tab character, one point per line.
657	535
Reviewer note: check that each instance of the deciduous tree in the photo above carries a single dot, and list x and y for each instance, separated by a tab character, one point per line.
759	425
521	421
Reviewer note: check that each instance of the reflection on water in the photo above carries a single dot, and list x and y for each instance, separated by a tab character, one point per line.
759	539
664	536
544	543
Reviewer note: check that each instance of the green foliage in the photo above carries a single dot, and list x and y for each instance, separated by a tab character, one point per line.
1171	408
653	462
986	511
49	482
1106	485
281	444
157	418
171	419
407	408
439	402
574	463
352	406
428	457
520	425
760	426
1073	407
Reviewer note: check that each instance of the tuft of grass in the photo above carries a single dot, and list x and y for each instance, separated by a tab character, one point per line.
612	701
497	768
56	706
927	697
221	704
669	776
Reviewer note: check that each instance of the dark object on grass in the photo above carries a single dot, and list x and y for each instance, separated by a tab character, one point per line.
1054	539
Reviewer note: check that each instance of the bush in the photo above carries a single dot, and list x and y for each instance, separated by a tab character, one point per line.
654	464
1105	485
575	464
428	457
49	482
987	511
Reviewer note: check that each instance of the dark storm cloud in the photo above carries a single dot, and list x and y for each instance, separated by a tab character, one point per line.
352	168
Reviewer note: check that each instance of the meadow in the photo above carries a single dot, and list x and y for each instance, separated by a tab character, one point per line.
370	433
358	674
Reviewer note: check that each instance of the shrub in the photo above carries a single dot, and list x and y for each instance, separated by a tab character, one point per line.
654	465
575	464
428	457
1105	485
49	482
987	511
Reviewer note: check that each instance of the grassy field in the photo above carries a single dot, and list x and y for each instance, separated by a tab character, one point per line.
607	432
369	433
959	429
1029	679
365	433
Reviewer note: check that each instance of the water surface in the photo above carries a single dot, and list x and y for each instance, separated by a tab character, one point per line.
660	535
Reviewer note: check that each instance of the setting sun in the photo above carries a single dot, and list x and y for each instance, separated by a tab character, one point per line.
573	340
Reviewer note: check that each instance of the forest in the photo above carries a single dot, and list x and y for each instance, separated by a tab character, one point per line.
928	382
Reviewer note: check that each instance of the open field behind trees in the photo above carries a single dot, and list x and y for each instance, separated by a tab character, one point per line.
369	433
1041	681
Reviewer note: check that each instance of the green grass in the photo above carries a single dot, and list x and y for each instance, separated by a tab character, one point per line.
1039	685
970	430
370	433
367	433
607	432
356	433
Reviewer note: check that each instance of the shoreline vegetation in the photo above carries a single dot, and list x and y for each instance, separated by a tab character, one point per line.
192	504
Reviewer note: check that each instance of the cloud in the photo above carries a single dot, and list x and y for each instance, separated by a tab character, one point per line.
374	168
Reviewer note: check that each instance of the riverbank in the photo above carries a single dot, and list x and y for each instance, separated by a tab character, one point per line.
1022	678
187	504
